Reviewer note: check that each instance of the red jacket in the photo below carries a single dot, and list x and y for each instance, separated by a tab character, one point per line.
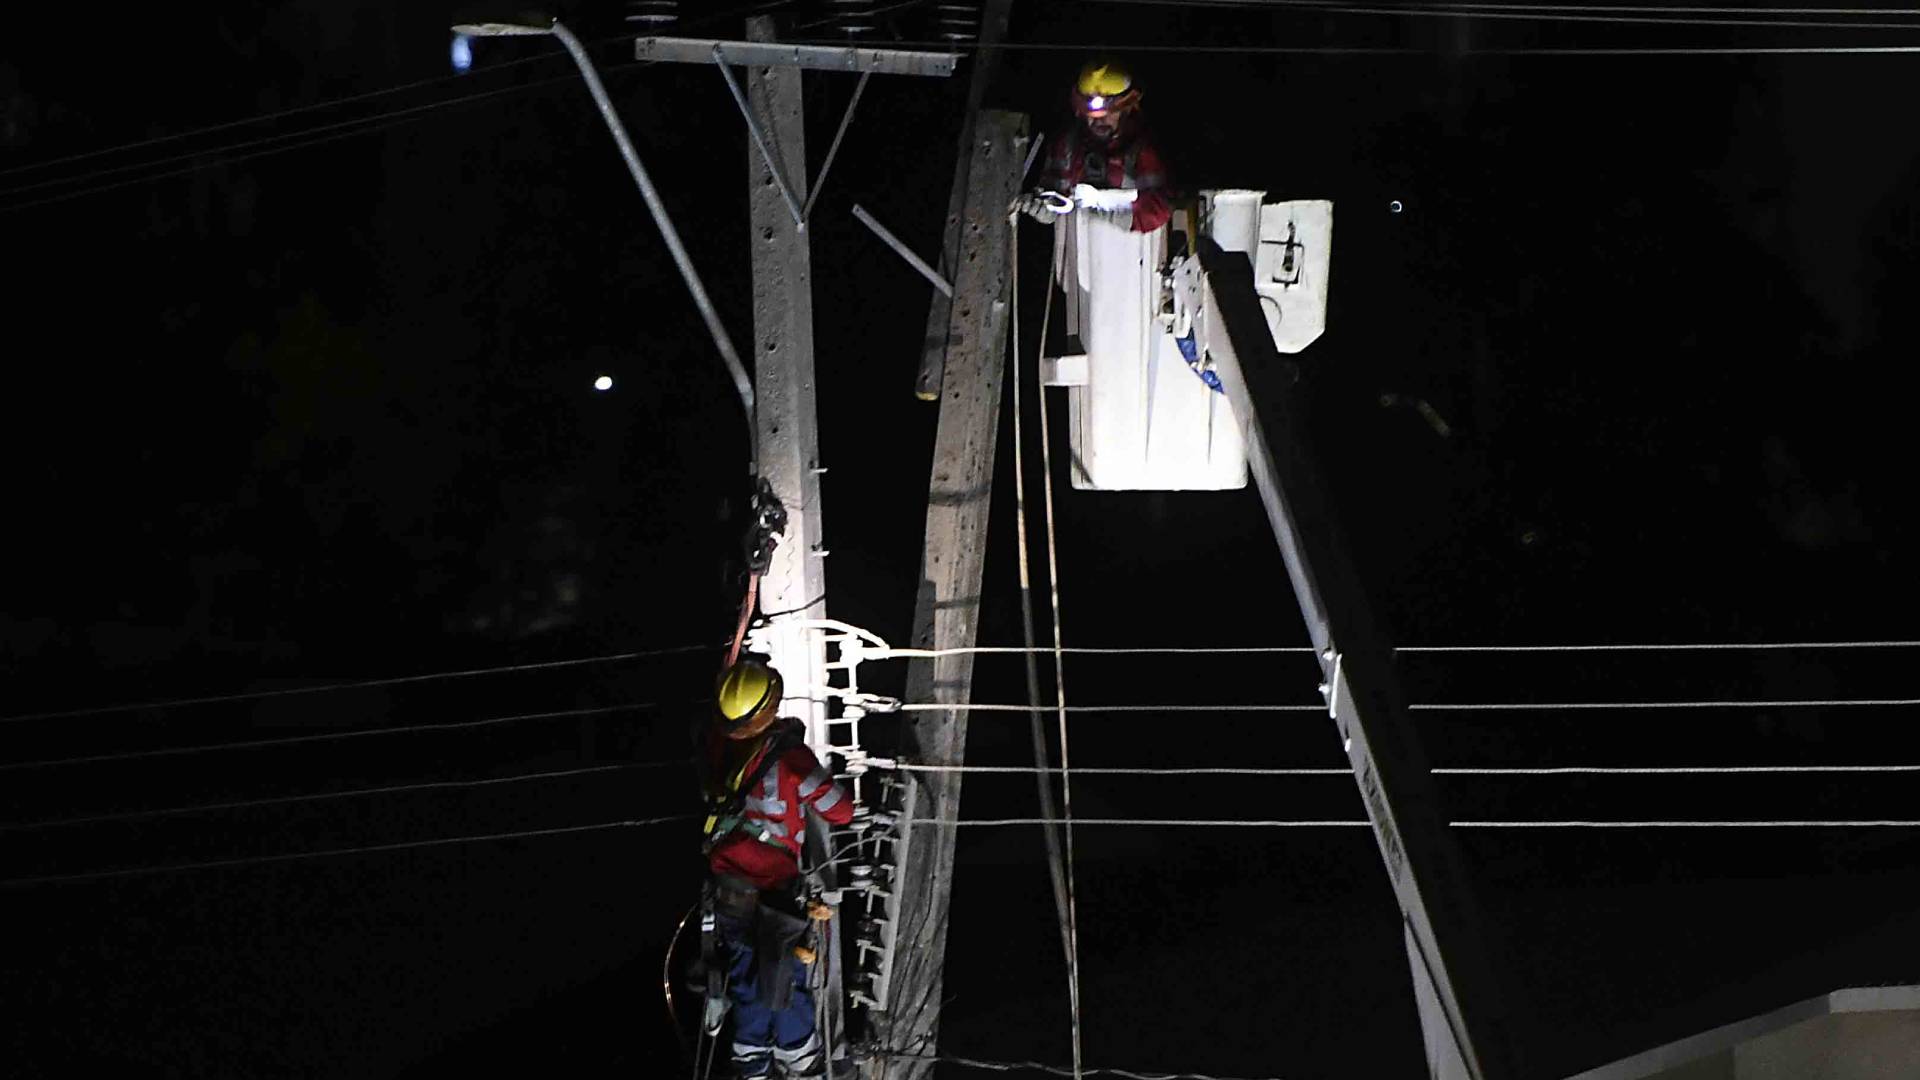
765	848
1128	161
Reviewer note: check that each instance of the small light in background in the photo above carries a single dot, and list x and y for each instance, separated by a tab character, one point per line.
462	52
1395	206
603	383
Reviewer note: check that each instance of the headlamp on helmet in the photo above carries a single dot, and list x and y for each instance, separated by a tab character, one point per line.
1104	89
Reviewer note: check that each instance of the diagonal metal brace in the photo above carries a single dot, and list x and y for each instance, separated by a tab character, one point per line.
901	249
846	118
759	139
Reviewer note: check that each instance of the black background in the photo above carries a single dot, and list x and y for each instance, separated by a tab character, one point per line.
325	414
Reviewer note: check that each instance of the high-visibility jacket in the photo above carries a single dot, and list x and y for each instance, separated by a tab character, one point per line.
762	841
1129	160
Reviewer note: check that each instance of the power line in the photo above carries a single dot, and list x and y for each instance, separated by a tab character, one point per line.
1197	823
1392	50
255	860
1056	1070
281	800
1218	823
965	707
1730	646
349	99
1227	650
251	695
1557	705
262	118
1078	650
349	129
330	736
1863	824
1488	770
1529	13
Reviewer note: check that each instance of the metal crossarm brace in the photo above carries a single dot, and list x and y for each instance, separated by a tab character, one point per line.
1467	1033
814	57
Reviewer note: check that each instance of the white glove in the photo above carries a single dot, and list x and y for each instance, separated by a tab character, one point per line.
1105	200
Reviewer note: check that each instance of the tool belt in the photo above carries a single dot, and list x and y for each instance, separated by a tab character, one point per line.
767	921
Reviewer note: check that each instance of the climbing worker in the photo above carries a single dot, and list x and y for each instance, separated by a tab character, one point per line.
1107	151
760	778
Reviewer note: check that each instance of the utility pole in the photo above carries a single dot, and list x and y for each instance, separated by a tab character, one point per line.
947	612
1468	1036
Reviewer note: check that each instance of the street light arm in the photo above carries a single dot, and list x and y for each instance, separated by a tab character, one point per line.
741	381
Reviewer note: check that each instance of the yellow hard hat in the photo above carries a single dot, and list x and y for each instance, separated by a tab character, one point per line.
745	698
1104	87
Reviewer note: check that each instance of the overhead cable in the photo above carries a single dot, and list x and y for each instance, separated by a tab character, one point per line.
1527	13
1056	1070
1236	823
1394	50
1864	824
329	736
1227	650
321	688
1078	650
408	845
1490	770
281	800
1192	823
1550	706
329	103
1726	646
966	707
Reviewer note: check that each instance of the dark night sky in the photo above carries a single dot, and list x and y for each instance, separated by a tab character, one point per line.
325	414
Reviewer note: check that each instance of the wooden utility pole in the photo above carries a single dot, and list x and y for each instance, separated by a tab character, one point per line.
947	611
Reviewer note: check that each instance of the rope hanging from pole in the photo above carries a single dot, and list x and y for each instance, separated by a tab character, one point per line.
1060	696
1056	867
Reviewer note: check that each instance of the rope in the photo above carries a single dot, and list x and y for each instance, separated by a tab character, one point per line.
1060	694
1056	866
279	800
253	695
746	615
173	751
253	860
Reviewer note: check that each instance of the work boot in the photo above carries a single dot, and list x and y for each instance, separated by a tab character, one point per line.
804	1062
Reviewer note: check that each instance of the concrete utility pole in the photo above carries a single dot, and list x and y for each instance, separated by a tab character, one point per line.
947	612
1467	1033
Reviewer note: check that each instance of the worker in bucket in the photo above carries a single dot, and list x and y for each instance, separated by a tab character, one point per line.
1104	163
760	780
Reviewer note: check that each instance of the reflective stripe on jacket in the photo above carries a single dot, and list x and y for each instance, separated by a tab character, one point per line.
765	849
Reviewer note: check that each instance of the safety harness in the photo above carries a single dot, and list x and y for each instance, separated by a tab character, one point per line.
727	801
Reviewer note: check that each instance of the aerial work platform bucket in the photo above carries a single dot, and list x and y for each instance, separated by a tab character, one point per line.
1143	412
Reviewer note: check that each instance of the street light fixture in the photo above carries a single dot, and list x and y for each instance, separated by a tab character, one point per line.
540	25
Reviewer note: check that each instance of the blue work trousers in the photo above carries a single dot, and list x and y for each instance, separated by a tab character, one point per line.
760	1033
